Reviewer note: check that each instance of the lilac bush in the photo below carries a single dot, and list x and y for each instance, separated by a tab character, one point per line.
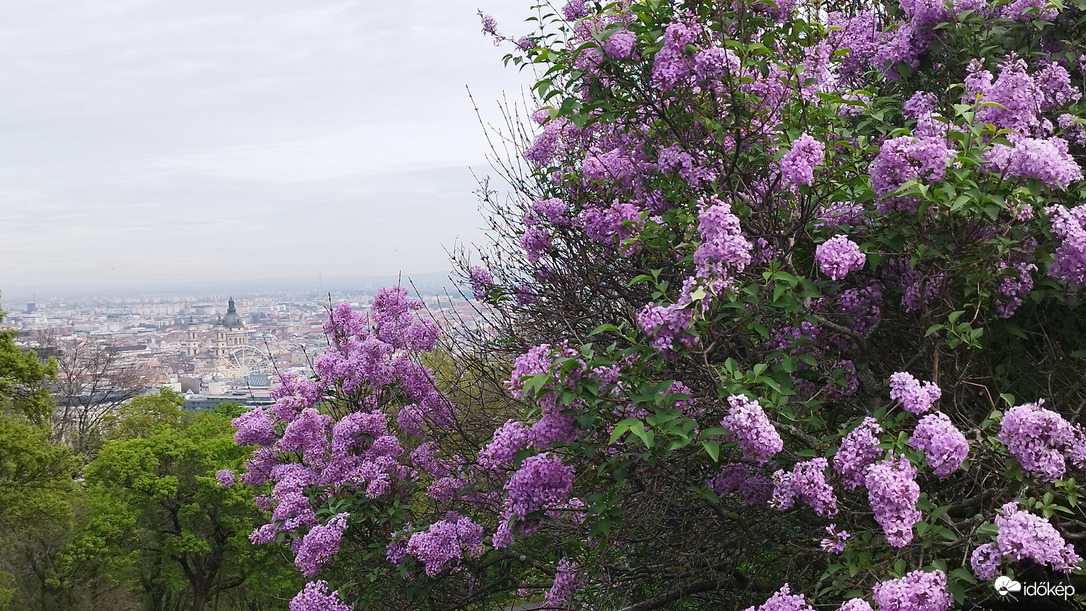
752	253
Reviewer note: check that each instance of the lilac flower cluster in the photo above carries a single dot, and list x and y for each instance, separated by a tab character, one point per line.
892	491
723	246
481	282
836	540
315	597
747	421
943	444
1024	536
855	604
619	44
225	477
541	482
916	591
838	256
671	65
985	561
783	600
1069	260
753	487
1040	439
914	395
1046	159
565	583
508	438
807	480
446	542
667	325
906	158
320	544
797	164
857	452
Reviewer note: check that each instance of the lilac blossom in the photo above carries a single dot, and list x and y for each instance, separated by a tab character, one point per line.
747	421
916	591
574	9
315	597
481	282
619	44
855	604
225	477
838	256
1069	260
1024	536
807	480
565	583
446	542
753	487
320	544
1037	438
508	438
893	492
541	482
671	65
943	445
836	540
1044	159
723	246
858	451
254	427
797	164
783	600
985	561
914	395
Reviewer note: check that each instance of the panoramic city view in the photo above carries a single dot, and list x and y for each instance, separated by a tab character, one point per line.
562	305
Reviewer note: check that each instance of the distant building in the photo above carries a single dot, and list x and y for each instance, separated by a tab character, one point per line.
227	352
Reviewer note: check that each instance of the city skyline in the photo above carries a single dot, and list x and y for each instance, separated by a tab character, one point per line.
172	143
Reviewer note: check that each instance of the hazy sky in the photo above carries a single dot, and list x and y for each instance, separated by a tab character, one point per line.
167	140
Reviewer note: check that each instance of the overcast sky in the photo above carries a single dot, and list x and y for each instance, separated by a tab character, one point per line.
166	140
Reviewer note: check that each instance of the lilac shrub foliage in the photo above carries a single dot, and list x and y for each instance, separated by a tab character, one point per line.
756	253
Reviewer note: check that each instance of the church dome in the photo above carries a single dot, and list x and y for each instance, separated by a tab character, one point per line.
231	320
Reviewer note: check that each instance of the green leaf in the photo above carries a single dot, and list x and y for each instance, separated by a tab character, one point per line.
712	448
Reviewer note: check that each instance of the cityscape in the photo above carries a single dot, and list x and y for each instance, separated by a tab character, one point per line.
208	347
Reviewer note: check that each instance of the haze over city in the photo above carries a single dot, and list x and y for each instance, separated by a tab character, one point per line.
159	143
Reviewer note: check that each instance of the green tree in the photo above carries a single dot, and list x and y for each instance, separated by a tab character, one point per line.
178	535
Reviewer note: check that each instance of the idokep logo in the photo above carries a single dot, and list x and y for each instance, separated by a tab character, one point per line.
1005	586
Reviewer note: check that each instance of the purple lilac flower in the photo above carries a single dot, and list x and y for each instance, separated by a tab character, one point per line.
855	604
671	65
620	44
565	583
714	62
490	25
481	282
320	544
907	158
985	561
836	540
667	325
574	9
893	492
857	452
860	35
254	428
1017	95
1024	536
797	165
943	445
915	396
315	597
753	487
838	256
1069	260
508	438
916	591
921	103
1045	159
541	482
723	245
225	477
1037	438
747	421
446	542
783	600
807	480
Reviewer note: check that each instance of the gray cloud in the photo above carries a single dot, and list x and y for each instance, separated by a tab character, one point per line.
197	140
